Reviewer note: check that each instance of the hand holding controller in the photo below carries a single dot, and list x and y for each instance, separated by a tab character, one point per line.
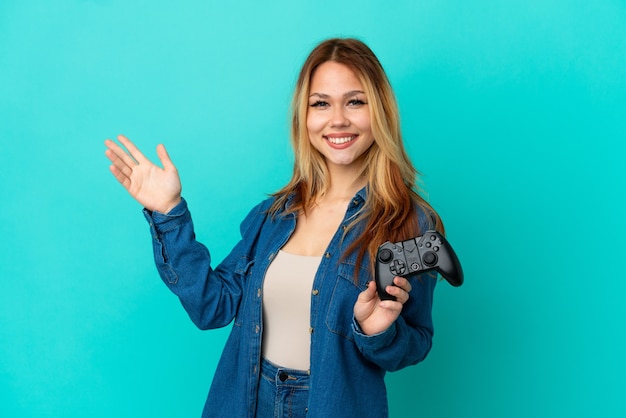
414	256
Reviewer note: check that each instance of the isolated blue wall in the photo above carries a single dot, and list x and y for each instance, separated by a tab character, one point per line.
514	111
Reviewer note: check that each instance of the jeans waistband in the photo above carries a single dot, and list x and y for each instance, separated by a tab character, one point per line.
283	376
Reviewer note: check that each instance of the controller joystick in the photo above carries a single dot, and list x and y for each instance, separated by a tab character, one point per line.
408	258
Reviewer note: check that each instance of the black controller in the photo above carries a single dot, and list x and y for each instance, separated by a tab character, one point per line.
431	251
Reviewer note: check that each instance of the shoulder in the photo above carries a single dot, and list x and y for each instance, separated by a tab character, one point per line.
255	218
427	218
262	207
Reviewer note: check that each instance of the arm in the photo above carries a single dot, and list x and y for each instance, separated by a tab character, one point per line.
210	296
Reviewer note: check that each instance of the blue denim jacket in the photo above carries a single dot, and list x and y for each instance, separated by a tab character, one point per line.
347	367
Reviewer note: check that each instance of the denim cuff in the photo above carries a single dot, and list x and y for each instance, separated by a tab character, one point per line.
164	222
373	342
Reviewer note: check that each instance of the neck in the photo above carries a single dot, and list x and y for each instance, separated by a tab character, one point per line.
345	182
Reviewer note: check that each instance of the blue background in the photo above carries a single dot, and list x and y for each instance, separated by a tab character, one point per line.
514	112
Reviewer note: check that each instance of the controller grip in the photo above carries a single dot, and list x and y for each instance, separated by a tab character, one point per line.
382	275
450	267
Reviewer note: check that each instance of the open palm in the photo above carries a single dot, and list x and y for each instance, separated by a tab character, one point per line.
157	189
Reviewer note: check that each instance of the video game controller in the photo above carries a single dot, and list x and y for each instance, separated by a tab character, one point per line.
407	258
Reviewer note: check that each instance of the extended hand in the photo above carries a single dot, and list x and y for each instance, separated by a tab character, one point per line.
156	188
375	315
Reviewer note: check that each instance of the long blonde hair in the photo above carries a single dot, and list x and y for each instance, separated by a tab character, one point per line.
392	191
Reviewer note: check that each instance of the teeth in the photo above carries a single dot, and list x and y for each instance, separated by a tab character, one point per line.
338	141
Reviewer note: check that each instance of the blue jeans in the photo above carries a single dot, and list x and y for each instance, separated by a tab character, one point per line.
282	392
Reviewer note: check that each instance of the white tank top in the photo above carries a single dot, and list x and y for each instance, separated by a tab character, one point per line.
287	310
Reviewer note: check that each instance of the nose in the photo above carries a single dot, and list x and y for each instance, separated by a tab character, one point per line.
339	117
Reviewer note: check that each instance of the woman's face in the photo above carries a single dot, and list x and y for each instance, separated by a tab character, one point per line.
338	117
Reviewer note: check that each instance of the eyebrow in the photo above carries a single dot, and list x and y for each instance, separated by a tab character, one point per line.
351	93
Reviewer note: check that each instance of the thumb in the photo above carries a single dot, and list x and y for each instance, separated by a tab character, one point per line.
164	157
370	292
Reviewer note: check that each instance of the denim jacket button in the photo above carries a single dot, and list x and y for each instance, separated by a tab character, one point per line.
315	292
310	330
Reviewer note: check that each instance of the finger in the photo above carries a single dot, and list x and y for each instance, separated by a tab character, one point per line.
369	293
118	157
115	153
120	176
392	306
403	283
395	305
132	149
400	294
120	163
401	289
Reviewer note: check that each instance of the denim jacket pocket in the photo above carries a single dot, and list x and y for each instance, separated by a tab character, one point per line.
244	269
345	293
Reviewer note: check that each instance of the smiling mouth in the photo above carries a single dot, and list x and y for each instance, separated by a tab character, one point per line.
340	140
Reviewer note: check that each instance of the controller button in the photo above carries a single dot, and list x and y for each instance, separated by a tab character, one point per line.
415	267
398	268
385	255
428	245
433	237
435	248
430	259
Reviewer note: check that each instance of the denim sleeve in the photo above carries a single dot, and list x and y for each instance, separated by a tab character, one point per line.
210	296
409	339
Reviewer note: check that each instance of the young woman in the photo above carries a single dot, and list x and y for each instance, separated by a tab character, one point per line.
310	336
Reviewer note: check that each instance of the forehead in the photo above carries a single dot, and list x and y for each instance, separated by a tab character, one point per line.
334	77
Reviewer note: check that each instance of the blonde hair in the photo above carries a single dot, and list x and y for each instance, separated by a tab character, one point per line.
389	211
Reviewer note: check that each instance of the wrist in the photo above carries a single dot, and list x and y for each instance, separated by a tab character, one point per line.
167	207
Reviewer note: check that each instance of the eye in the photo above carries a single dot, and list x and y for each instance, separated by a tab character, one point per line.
319	103
356	102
